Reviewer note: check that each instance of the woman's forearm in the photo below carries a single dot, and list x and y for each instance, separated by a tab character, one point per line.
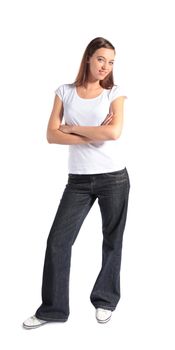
96	133
59	137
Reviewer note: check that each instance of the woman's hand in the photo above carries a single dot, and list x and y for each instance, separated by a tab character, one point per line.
67	129
108	119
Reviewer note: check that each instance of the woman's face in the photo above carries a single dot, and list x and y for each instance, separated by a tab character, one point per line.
101	64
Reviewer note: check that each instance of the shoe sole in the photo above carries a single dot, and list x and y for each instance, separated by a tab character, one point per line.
104	321
33	327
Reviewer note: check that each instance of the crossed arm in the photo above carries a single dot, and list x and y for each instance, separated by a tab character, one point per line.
110	129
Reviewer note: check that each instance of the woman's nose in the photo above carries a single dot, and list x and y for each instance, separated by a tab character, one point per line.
104	66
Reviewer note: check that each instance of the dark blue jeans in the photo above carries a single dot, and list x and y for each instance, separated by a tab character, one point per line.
80	193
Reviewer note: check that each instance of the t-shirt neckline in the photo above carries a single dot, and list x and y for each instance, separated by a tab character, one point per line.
87	99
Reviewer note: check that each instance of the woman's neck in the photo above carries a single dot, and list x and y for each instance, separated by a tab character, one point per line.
92	86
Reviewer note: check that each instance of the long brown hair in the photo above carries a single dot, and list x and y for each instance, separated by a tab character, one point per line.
82	76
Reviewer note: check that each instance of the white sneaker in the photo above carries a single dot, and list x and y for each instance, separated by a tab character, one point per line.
103	315
33	322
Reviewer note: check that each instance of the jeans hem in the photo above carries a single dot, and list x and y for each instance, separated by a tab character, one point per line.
111	308
50	319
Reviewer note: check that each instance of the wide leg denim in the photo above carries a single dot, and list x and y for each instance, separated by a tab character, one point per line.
80	193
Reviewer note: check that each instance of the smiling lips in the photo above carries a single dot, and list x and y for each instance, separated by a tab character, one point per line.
102	72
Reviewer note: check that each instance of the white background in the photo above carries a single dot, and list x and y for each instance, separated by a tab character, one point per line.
42	43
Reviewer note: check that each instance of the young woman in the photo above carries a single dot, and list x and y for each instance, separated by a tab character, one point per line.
92	108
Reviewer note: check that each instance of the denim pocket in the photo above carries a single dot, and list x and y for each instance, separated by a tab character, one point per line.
129	184
119	176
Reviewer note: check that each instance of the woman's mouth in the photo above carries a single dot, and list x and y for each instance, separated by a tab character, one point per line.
101	72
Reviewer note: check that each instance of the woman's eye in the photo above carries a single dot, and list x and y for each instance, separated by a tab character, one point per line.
111	63
100	59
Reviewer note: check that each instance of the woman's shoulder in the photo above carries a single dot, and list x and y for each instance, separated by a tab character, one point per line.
116	91
63	90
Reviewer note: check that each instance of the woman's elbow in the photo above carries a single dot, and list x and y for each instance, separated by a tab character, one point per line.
49	136
48	139
114	132
115	135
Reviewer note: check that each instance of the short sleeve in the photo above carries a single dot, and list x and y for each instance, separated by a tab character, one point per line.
60	92
116	91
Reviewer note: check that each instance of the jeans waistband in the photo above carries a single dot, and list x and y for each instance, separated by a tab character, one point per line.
117	172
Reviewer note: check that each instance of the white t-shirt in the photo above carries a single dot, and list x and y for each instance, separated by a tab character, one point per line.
100	156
